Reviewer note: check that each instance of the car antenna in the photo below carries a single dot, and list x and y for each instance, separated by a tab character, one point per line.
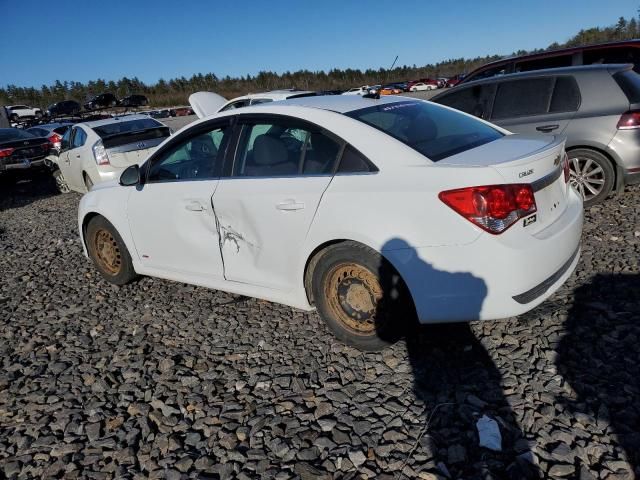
376	95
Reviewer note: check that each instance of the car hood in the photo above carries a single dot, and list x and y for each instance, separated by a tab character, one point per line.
206	103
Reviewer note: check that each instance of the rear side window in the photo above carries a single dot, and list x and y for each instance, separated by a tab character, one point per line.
353	161
566	95
474	100
629	82
519	98
541	63
434	131
284	149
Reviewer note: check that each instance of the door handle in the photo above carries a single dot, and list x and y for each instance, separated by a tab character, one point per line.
290	205
194	206
547	128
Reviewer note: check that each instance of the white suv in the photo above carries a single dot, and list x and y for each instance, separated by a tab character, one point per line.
22	112
94	152
271	96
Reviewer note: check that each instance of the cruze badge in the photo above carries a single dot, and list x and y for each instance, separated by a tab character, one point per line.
141	145
529	220
525	174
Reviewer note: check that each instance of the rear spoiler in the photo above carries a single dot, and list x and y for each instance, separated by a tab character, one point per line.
206	103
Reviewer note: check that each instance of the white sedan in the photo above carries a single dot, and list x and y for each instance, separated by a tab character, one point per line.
420	86
93	152
370	210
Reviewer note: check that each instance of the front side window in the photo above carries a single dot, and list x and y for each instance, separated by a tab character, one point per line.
280	149
200	157
518	98
434	131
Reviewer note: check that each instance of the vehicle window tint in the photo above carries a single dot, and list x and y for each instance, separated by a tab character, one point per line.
61	130
517	98
79	138
475	100
14	134
629	82
566	95
353	161
256	101
268	149
197	158
491	72
234	105
66	139
611	55
39	132
118	128
540	63
432	130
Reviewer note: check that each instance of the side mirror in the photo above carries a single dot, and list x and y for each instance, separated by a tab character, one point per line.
131	176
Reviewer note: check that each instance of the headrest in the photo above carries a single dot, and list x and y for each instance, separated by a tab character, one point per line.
268	150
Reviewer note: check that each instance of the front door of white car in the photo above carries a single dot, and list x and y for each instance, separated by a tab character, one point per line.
265	208
171	216
70	159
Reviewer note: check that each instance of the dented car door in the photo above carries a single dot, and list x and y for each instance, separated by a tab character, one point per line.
265	208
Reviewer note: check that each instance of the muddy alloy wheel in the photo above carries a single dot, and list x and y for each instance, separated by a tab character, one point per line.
353	293
61	183
591	174
107	251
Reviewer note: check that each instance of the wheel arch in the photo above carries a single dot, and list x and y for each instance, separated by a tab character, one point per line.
316	254
602	151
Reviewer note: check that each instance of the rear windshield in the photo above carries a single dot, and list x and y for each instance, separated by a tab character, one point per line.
434	131
629	82
14	134
118	128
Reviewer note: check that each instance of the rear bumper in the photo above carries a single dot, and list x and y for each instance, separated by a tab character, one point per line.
492	278
39	163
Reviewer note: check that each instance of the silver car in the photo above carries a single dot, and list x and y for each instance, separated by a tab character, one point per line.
93	152
597	107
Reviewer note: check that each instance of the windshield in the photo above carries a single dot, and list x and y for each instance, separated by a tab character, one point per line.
14	134
434	131
118	128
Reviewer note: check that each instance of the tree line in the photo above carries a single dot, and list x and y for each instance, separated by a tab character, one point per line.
177	90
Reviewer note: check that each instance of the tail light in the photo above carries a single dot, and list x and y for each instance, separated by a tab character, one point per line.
629	120
565	168
100	153
6	152
493	208
54	138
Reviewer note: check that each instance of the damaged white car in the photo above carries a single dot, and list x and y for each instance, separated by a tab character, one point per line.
373	211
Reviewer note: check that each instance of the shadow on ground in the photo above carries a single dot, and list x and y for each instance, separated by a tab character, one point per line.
22	189
455	378
599	357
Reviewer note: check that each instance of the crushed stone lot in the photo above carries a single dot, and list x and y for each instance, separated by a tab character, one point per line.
164	380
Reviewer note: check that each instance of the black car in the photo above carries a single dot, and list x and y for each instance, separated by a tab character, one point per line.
20	150
66	107
104	100
164	113
134	101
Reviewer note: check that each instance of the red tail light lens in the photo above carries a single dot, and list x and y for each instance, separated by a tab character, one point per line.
629	120
55	138
493	208
565	167
6	152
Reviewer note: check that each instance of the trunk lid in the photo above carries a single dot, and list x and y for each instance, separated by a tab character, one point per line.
533	159
206	103
26	149
122	156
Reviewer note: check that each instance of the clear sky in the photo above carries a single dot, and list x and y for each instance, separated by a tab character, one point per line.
42	41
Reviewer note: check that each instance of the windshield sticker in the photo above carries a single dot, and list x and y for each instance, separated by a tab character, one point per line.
396	106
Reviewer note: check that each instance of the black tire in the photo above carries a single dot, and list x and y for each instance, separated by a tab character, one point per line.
88	183
360	296
108	252
61	182
592	175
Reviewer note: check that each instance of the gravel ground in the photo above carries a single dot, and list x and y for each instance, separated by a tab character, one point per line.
164	380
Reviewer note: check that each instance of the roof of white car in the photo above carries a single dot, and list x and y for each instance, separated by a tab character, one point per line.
274	95
108	121
342	103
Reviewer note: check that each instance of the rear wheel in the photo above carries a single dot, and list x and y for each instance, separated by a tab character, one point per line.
108	252
360	296
592	175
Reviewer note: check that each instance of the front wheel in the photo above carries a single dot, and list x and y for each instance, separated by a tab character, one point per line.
108	252
360	296
591	174
61	182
